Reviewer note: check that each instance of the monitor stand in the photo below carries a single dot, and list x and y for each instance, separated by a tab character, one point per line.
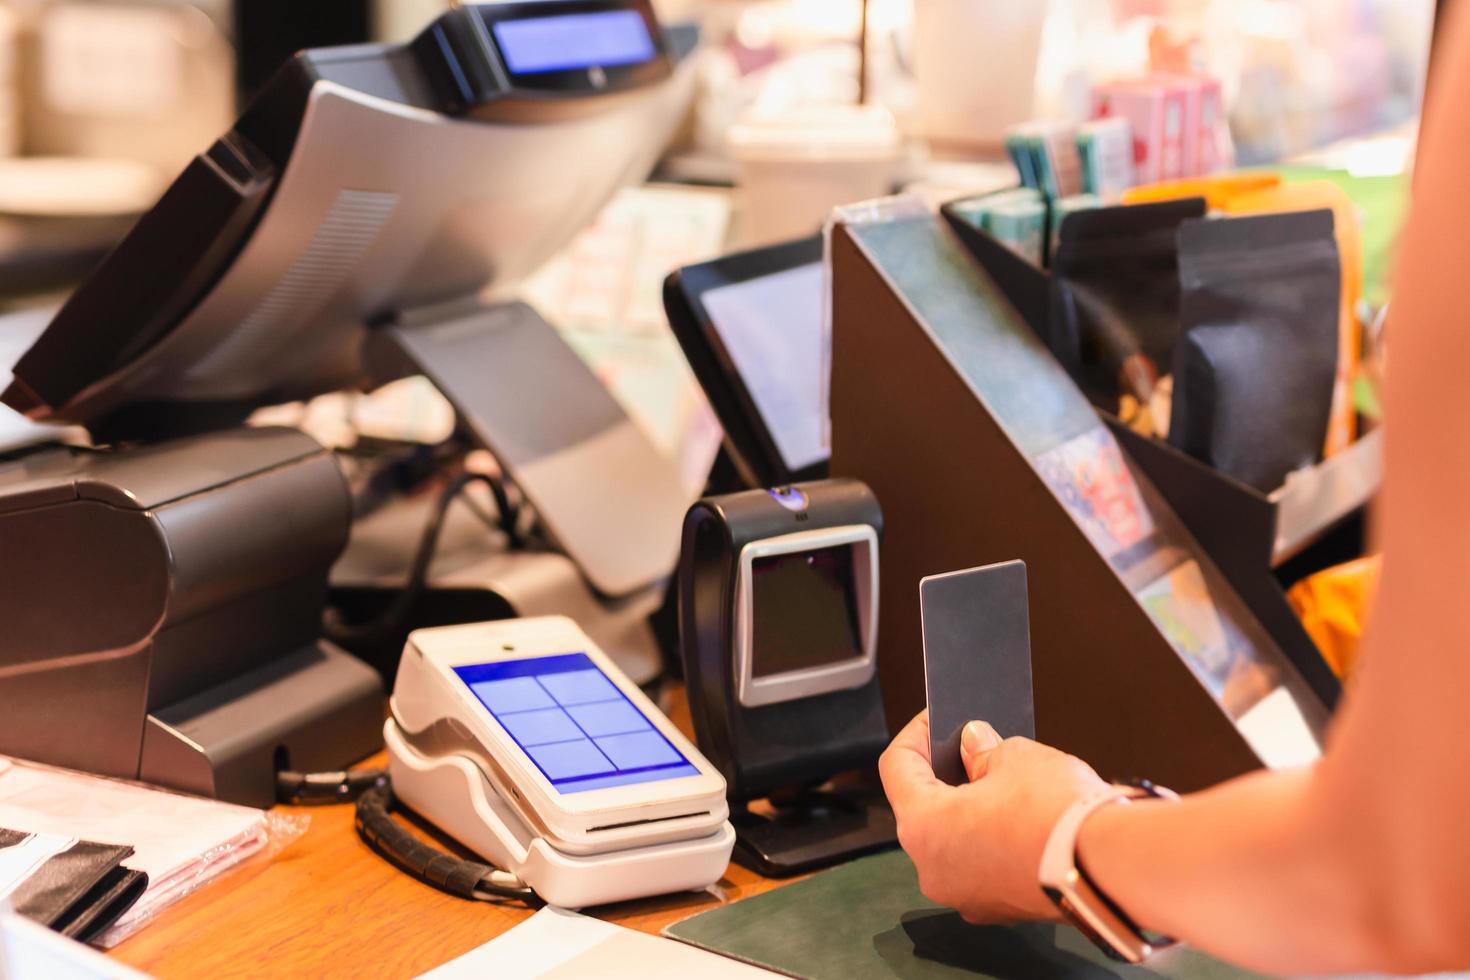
813	828
612	505
609	499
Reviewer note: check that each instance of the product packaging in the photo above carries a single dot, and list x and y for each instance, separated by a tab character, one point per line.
1255	367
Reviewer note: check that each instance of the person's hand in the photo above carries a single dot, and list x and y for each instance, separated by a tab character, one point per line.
978	847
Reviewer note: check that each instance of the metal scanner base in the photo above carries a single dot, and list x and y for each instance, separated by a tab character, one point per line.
818	828
451	792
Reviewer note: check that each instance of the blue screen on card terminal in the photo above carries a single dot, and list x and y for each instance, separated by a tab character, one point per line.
579	729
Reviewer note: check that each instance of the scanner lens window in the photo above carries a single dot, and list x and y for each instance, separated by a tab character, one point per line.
573	723
805	611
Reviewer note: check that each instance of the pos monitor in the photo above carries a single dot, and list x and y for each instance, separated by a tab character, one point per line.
349	228
365	218
751	325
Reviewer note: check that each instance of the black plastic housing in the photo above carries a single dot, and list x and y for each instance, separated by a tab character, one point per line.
180	250
752	446
163	622
778	746
462	60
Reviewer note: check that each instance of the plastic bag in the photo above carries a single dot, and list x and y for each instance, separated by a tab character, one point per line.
1333	606
182	842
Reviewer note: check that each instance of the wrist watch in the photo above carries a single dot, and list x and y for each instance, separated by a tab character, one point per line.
1080	900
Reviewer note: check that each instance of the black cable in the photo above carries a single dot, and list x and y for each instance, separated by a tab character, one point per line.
510	514
456	876
508	525
374	795
393	618
314	788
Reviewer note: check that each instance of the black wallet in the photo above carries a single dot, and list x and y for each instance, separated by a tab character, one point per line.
79	892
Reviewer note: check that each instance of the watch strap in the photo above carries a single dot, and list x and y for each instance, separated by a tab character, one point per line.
1080	900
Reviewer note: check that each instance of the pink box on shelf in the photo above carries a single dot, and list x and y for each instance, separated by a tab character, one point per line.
1174	119
1203	114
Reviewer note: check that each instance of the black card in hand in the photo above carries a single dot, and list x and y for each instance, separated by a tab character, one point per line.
977	658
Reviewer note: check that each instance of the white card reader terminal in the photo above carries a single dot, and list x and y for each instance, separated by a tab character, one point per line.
526	743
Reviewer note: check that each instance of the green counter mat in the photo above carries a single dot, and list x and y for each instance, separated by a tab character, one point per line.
867	921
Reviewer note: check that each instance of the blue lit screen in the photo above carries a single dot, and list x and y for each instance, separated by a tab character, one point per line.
574	723
606	39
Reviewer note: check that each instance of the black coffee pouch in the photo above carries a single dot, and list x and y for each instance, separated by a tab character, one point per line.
1254	370
1115	294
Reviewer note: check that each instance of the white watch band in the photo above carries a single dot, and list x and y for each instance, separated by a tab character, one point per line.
1084	905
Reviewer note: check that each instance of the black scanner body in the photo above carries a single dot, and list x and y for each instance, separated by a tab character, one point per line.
765	749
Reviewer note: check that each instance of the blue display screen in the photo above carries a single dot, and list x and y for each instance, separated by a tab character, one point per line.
605	39
574	723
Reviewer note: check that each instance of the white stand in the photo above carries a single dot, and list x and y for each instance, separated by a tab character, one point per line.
451	792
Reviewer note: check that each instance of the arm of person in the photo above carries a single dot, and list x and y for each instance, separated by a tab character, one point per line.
1361	862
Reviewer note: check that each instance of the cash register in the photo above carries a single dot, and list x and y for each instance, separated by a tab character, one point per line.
364	219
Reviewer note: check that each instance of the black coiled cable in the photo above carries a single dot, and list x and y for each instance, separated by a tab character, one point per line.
456	876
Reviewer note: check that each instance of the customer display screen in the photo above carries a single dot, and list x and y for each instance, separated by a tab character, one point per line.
772	329
579	729
805	611
606	39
